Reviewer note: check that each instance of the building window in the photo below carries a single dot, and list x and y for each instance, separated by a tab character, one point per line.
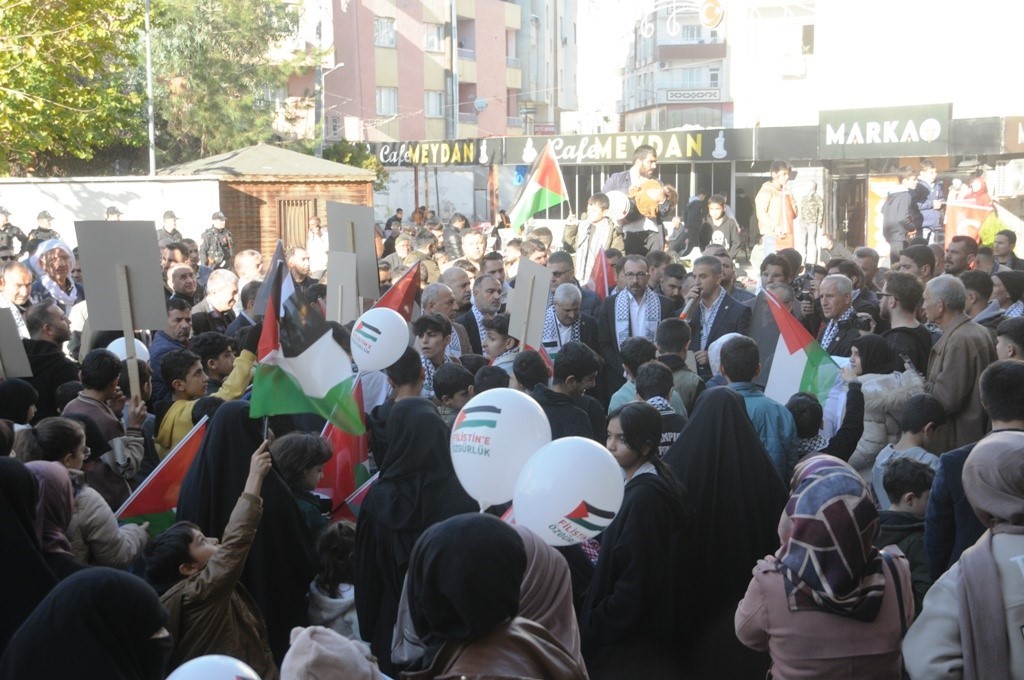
433	103
335	131
384	32
387	101
690	33
808	39
713	76
433	38
691	78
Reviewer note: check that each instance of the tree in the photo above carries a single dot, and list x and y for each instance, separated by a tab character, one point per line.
65	83
215	74
358	155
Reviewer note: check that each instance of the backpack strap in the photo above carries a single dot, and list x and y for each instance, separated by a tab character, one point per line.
896	581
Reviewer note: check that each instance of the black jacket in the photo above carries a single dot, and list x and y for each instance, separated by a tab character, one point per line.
608	344
472	330
566	419
907	531
452	238
912	343
950	523
732	317
843	341
50	369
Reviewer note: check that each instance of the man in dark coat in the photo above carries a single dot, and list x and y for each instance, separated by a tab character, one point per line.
49	329
576	367
840	329
713	312
635	311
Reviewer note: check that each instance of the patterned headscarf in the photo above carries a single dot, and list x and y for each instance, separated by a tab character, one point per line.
828	530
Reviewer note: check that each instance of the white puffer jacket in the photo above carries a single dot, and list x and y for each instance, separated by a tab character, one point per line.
885	395
95	537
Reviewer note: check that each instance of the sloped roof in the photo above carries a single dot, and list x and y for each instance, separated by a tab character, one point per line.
264	161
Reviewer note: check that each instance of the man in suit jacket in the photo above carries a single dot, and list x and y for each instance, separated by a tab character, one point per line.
840	329
634	312
486	303
565	322
713	312
216	311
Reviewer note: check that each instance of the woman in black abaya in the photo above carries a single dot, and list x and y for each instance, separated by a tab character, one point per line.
281	562
26	576
98	624
737	498
417	488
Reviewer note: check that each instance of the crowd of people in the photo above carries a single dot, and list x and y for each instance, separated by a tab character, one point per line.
869	536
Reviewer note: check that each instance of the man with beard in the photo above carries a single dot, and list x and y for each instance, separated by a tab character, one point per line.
437	298
16	282
297	260
672	283
48	329
960	254
56	262
634	312
901	296
645	166
486	302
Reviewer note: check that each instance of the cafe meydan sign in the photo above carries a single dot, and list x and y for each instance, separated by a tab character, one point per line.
885	132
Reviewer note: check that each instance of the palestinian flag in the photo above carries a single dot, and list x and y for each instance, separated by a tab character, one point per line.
401	296
348	467
157	497
602	276
543	188
791	360
355	501
302	369
263	293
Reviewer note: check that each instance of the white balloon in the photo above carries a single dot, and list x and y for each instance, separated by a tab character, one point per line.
569	491
118	348
379	339
493	436
214	667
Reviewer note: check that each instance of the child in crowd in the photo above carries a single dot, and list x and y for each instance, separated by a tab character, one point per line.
183	373
921	416
908	483
654	386
489	378
433	333
500	347
332	597
300	458
198	579
453	387
217	357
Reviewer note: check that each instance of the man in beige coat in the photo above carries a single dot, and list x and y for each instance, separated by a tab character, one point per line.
955	364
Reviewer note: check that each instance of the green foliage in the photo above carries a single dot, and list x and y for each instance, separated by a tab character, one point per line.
215	76
357	155
64	85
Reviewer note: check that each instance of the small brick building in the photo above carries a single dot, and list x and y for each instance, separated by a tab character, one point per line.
269	193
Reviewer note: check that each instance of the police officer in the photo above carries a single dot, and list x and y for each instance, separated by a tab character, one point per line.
169	228
9	232
113	214
44	230
218	247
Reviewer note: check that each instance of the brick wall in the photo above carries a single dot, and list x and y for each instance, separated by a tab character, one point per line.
252	212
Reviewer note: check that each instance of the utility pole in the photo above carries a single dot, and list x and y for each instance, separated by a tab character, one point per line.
318	89
149	97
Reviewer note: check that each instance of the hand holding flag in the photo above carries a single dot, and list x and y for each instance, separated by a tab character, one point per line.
543	188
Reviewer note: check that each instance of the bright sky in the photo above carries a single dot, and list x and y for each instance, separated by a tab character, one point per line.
605	28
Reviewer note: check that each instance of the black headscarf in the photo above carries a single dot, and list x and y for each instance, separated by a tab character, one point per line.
417	488
737	497
281	561
16	397
97	623
417	485
876	355
464	578
25	574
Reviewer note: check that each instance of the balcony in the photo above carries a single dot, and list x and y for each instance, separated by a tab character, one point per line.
468	55
691	51
513	62
469	118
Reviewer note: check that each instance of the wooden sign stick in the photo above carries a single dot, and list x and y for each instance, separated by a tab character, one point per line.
125	300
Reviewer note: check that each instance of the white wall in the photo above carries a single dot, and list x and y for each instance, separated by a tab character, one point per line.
193	199
454	188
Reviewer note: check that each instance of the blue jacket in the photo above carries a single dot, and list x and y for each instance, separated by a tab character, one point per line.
161	345
950	525
774	424
925	195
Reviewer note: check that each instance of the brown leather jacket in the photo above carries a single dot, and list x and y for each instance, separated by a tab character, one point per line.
211	612
518	650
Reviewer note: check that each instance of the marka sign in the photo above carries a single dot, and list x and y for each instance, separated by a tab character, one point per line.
684	145
885	133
